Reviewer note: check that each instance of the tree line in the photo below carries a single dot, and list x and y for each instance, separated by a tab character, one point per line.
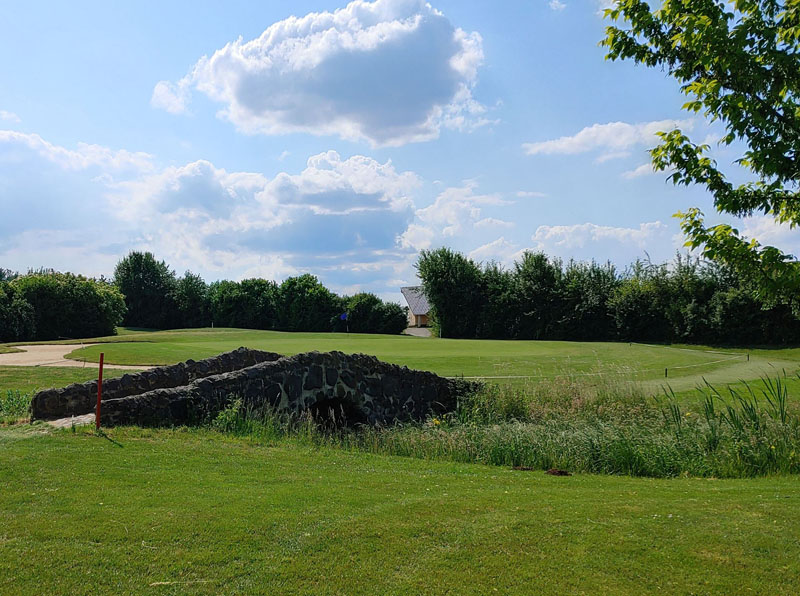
540	297
146	293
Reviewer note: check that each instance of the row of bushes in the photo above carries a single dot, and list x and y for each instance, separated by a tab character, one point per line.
50	305
156	298
543	298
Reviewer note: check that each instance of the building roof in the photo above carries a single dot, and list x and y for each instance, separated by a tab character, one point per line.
416	300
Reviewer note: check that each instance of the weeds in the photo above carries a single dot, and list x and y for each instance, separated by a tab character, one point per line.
14	406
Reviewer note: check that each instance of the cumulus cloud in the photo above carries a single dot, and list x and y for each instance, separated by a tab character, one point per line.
456	211
338	215
578	235
501	251
619	244
388	72
557	5
172	97
771	233
612	138
9	116
83	157
524	194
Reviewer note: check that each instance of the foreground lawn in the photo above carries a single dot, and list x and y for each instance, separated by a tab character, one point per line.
515	362
193	512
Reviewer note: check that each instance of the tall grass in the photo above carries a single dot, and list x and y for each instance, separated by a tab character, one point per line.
606	427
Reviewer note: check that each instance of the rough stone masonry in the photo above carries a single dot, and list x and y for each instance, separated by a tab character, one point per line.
355	388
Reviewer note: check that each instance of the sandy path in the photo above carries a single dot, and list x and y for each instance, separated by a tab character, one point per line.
47	355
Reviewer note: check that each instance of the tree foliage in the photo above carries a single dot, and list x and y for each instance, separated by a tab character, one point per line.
542	298
739	64
450	281
64	305
149	289
307	305
17	317
190	297
366	313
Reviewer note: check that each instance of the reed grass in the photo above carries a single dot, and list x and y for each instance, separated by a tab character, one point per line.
605	427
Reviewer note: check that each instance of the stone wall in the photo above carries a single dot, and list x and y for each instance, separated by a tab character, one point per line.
81	398
355	388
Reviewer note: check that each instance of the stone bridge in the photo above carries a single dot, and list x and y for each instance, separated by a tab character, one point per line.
357	388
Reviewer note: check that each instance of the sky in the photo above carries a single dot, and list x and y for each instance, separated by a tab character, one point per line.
269	139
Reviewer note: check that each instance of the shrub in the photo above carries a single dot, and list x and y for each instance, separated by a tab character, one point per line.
17	319
366	313
67	305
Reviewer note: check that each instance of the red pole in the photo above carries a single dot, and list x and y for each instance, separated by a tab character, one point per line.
99	394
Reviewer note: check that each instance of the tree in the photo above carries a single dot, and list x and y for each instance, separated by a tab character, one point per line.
499	316
585	313
7	274
537	285
307	305
149	289
739	63
452	283
191	301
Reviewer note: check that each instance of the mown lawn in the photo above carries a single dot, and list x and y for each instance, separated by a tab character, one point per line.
515	362
195	512
30	379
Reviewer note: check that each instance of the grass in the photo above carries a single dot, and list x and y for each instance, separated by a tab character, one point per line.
511	362
30	379
575	427
196	512
284	506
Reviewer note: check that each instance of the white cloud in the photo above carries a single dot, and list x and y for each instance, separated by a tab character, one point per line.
769	232
602	5
388	72
646	169
530	194
500	250
174	98
611	155
85	156
557	5
9	116
337	216
456	211
619	244
579	235
493	222
614	137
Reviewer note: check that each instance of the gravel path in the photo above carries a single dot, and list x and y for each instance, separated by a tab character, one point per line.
418	331
47	355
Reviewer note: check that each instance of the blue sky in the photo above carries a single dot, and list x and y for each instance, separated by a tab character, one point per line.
244	139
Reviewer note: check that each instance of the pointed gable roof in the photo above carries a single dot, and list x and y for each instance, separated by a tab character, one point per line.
416	300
